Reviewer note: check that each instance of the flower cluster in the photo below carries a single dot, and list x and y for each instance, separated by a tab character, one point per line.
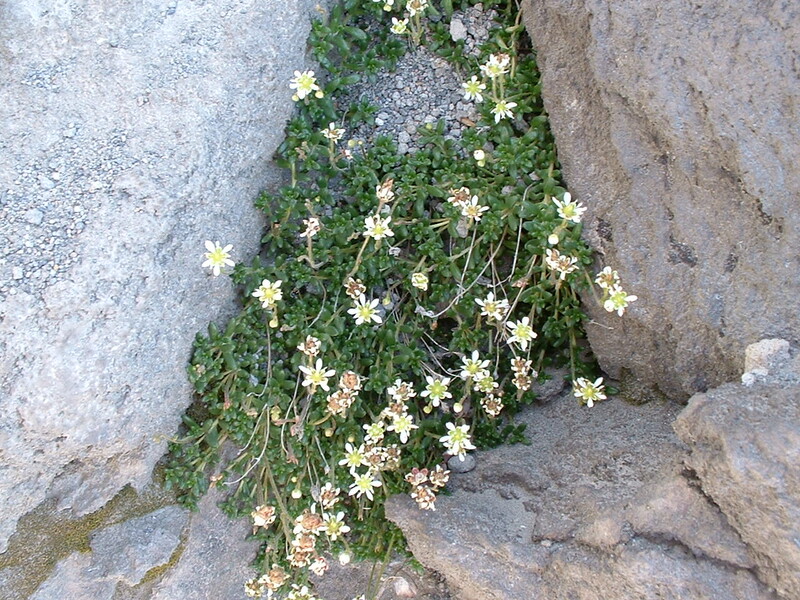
495	70
614	297
425	484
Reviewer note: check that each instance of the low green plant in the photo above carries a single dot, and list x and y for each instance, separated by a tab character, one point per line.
399	314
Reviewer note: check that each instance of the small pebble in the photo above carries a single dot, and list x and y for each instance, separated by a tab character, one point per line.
456	465
458	31
17	273
34	216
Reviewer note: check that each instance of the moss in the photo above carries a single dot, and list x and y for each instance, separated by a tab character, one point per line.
45	536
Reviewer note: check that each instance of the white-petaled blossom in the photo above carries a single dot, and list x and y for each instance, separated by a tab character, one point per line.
335	525
472	210
502	110
522	332
377	228
328	496
217	257
459	197
401	391
492	405
365	311
569	210
402	425
419	281
354	457
473	89
399	26
493	308
486	384
480	157
457	440
263	516
317	376
415	7
364	484
313	227
607	279
589	392
333	133
300	593
384	191
562	263
354	288
474	367
311	346
496	65
375	432
269	293
618	300
436	390
304	84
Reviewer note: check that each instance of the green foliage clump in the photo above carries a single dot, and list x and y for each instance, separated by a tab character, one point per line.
400	311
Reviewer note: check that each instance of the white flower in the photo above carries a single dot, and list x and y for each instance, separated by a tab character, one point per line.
436	390
569	210
217	257
587	391
474	367
304	83
560	262
473	89
313	227
480	157
618	300
377	228
403	425
317	376
311	346
354	457
269	293
496	66
375	432
487	385
607	278
332	133
419	281
416	6
522	332
399	26
457	441
335	525
502	110
473	210
401	391
365	311
494	309
363	485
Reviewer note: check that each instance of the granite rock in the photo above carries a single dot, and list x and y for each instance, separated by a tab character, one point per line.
598	506
675	125
136	131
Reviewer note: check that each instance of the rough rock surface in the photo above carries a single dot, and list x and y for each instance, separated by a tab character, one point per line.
133	131
745	449
598	506
216	558
676	125
121	555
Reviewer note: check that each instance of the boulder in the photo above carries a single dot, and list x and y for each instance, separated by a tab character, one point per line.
745	449
675	125
133	132
597	506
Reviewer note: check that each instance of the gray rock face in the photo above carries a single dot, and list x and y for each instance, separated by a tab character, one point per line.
121	555
745	449
597	507
675	125
133	131
216	558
